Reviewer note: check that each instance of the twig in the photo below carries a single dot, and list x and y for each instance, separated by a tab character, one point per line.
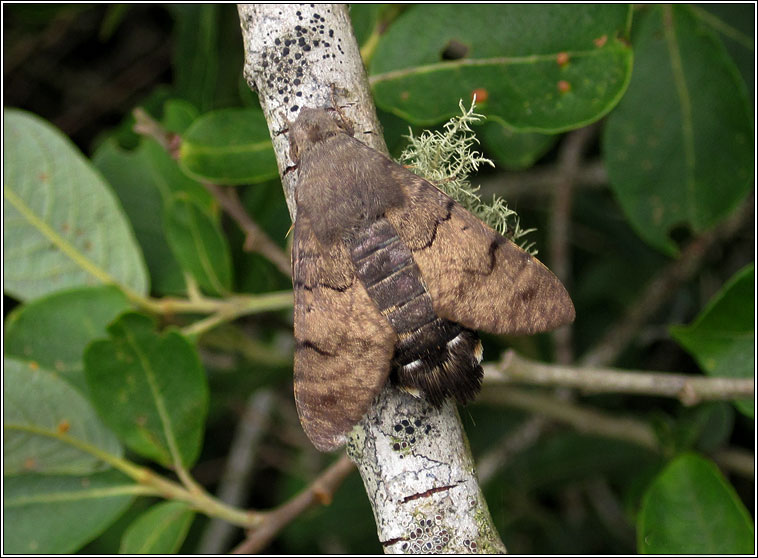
660	288
319	492
515	441
736	460
256	240
539	181
688	389
234	307
236	476
560	225
599	423
580	417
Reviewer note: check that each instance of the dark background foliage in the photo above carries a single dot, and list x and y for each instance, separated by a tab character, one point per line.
85	67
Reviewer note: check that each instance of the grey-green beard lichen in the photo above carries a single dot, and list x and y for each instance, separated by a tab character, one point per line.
446	158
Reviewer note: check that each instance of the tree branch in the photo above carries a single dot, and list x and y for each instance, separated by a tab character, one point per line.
414	460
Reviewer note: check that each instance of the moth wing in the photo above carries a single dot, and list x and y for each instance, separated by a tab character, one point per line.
344	345
475	276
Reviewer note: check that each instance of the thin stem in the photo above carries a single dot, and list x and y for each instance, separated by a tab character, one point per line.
688	389
582	418
560	225
241	306
235	480
319	492
154	484
659	289
256	240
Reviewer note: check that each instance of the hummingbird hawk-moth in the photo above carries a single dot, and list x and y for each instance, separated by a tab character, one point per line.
391	278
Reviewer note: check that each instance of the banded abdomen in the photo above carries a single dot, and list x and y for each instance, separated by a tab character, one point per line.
434	355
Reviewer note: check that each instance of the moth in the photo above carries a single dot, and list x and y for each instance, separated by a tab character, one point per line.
391	280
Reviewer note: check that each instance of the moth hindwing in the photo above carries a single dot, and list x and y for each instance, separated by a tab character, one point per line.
391	278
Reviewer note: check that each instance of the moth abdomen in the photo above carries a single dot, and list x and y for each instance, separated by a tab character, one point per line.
450	370
434	355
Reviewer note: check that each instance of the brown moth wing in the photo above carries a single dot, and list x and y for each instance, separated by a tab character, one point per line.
475	276
344	345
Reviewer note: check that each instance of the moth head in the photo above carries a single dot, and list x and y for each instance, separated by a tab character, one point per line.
312	127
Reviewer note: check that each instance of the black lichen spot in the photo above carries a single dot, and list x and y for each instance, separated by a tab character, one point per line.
396	446
294	108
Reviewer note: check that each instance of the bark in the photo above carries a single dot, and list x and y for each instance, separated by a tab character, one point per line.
414	459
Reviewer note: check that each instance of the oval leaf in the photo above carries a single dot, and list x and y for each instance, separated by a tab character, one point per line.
514	150
691	509
63	227
49	514
229	146
150	389
679	147
46	422
54	330
548	68
146	180
199	245
160	530
722	337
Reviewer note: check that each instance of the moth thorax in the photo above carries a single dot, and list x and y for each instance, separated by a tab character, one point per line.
439	357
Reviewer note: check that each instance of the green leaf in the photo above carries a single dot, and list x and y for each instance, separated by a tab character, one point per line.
548	68
196	58
53	330
178	115
735	25
160	530
63	227
691	509
146	180
49	514
46	423
199	244
514	150
705	427
722	337
229	146
679	146
150	389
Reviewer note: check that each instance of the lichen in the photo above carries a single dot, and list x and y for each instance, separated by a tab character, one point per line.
446	158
